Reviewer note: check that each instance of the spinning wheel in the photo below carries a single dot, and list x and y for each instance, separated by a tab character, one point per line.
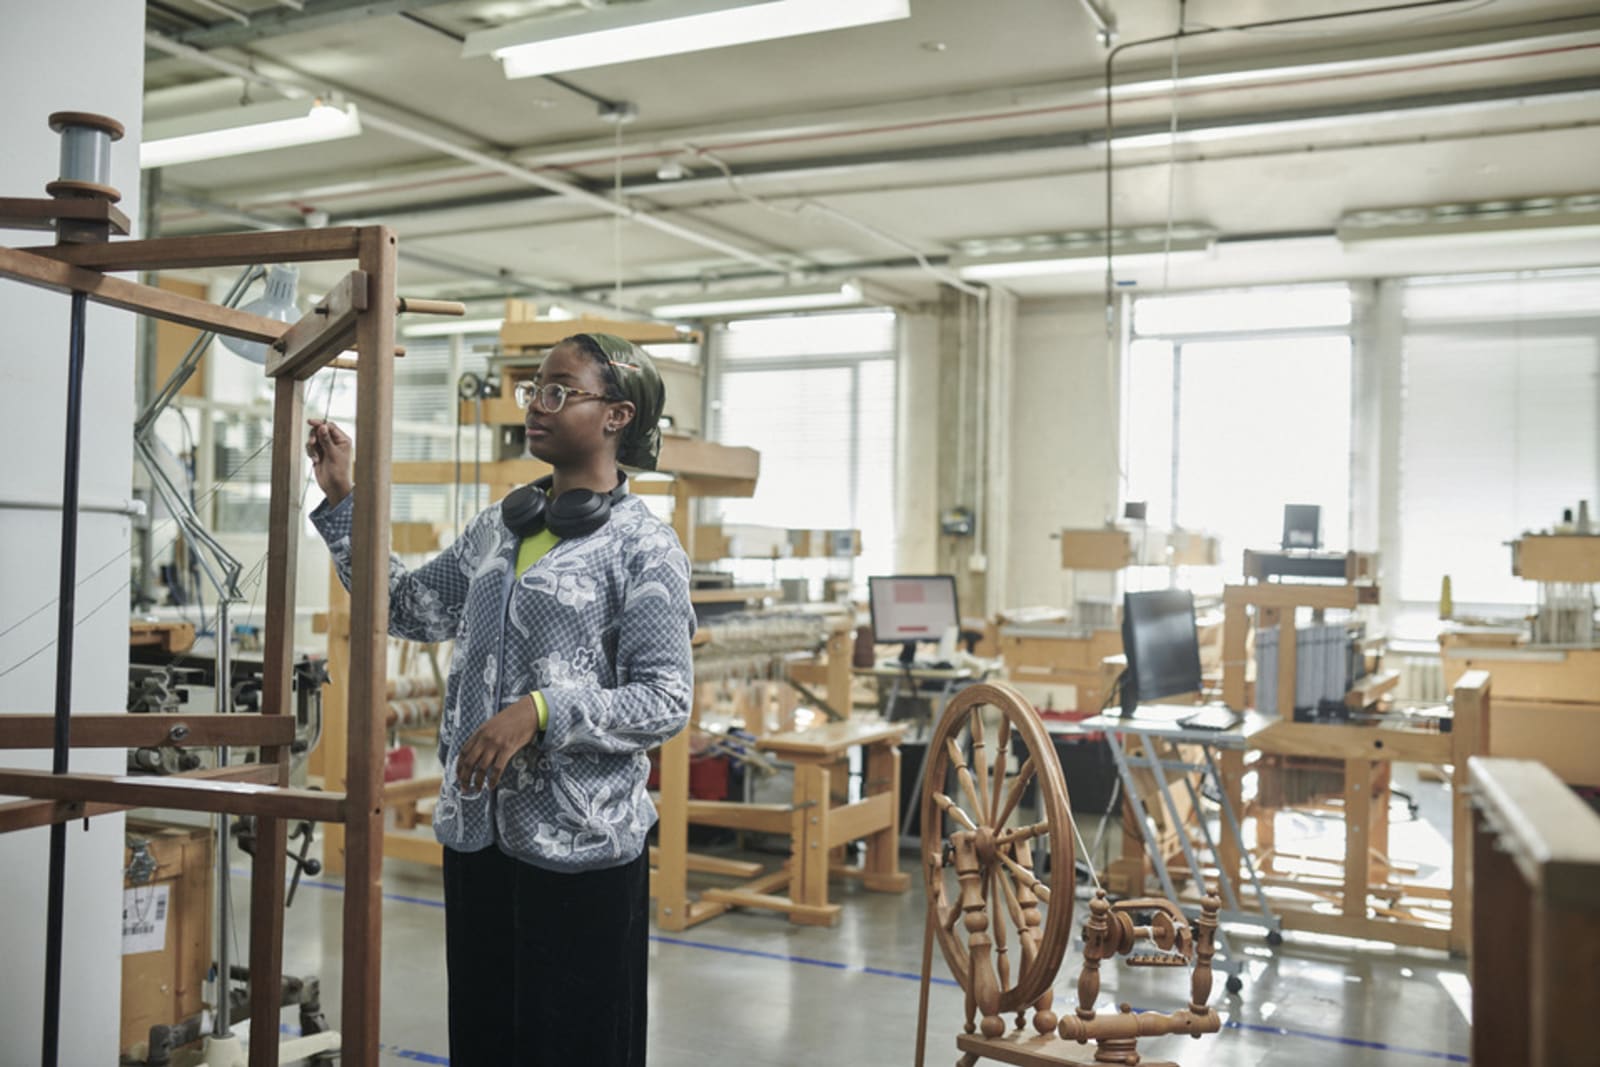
985	897
980	879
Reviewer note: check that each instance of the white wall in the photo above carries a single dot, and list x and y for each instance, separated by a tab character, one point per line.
80	55
917	479
1063	442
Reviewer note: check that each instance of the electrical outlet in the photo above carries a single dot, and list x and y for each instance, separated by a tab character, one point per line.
977	563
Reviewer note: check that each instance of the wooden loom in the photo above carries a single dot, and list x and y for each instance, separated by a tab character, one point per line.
995	889
359	313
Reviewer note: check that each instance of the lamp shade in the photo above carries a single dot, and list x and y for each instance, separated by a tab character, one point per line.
276	303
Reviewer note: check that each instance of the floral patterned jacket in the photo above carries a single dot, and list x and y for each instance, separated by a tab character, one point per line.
601	626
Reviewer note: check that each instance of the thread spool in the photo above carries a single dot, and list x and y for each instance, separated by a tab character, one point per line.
85	155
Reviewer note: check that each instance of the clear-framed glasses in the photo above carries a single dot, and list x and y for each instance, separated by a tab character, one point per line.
552	397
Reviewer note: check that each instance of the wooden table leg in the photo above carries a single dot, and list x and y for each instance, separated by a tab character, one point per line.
1378	823
1357	820
671	879
809	884
882	861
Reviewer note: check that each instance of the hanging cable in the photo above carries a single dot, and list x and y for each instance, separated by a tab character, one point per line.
616	228
201	502
817	207
1172	156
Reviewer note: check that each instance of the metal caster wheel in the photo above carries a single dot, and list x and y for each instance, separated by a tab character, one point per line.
1234	983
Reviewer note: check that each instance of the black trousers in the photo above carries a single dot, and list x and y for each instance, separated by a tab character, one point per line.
545	968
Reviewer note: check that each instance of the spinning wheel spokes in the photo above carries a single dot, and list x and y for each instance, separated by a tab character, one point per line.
1001	749
980	873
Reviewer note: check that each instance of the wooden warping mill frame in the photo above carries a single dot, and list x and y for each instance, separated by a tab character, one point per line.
358	313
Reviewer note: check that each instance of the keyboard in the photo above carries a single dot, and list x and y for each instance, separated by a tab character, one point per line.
1211	719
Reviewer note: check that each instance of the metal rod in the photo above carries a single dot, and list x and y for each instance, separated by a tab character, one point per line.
1238	835
224	1014
67	603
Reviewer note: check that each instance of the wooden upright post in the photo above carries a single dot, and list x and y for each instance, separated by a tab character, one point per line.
369	634
841	654
1469	736
670	880
335	744
277	683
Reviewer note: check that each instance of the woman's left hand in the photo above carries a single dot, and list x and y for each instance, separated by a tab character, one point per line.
489	750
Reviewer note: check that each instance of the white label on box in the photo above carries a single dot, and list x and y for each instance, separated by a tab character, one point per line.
144	919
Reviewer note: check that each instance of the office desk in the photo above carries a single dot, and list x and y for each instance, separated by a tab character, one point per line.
1148	742
944	681
1363	897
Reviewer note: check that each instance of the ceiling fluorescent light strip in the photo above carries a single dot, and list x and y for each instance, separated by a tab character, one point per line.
1530	218
242	130
1048	265
847	295
595	39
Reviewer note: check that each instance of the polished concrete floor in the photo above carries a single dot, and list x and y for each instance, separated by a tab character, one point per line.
748	988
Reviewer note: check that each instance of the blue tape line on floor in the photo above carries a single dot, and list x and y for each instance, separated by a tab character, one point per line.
879	972
1354	1042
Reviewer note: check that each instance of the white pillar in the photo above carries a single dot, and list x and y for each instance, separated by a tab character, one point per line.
66	55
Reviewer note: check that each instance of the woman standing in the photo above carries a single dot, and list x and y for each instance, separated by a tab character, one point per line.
569	606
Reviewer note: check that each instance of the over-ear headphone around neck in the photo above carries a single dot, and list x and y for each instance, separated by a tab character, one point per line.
575	513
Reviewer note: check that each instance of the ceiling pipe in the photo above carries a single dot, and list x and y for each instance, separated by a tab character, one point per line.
1486	98
331	187
445	146
1184	34
1105	21
516	285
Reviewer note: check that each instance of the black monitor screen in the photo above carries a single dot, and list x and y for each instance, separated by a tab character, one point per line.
911	608
1302	526
1162	646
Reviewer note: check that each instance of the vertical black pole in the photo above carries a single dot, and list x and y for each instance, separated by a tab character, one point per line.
64	628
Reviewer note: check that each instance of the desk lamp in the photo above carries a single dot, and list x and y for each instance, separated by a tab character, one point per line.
276	303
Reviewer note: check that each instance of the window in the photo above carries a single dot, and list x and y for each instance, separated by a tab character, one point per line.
1501	429
815	395
1237	404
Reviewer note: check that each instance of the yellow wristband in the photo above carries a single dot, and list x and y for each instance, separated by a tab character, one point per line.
544	709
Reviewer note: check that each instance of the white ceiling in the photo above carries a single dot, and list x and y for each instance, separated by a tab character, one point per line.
856	150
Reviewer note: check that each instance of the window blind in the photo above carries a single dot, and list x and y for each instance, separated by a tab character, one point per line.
1501	425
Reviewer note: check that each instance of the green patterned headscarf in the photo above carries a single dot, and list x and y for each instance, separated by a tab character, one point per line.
634	377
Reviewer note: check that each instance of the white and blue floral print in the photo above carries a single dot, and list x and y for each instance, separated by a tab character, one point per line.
601	626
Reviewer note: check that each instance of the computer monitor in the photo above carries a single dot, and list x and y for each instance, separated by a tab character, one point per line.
1161	644
1302	526
908	608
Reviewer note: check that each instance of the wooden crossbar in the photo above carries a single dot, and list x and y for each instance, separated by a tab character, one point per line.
27	814
211	250
177	792
131	296
124	730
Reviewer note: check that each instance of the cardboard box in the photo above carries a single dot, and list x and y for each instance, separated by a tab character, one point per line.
166	924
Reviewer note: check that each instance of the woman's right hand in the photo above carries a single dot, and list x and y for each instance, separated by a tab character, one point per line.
329	448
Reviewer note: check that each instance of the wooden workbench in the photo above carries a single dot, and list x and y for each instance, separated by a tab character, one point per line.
815	824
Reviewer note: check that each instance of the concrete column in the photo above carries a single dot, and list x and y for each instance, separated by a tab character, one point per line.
67	55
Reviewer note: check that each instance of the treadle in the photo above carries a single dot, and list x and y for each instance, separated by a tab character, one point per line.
1024	1048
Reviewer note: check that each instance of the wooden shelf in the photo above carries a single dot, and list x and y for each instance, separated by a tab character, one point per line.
1557	558
546	333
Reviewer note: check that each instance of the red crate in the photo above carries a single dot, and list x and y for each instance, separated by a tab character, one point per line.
400	764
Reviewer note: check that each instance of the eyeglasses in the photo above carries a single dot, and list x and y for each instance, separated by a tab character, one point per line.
552	397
